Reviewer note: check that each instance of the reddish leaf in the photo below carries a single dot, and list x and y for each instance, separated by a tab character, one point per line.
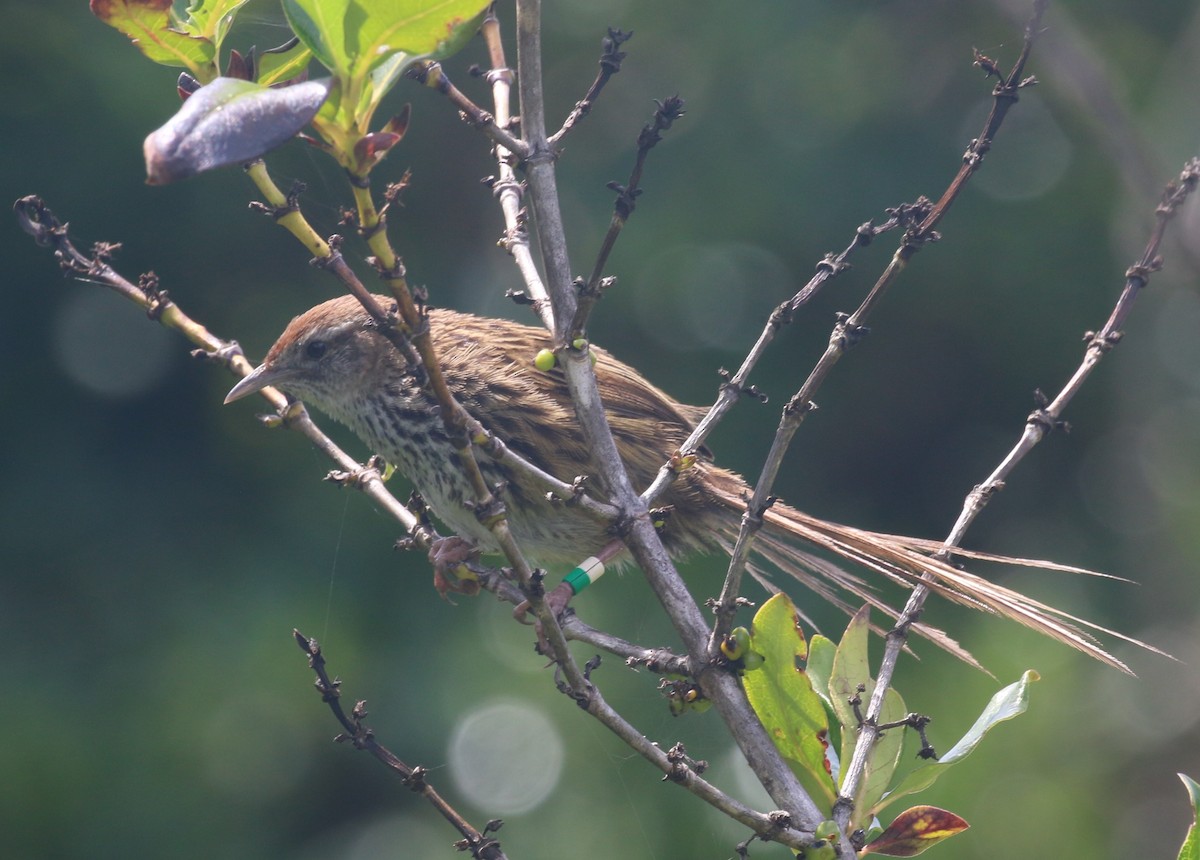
186	85
372	147
399	123
914	830
240	66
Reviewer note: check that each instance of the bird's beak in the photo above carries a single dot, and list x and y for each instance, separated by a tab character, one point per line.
255	381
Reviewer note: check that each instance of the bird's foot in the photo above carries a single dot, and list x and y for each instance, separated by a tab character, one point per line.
556	602
449	556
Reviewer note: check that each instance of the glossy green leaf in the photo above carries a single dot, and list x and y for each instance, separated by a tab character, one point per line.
821	650
376	29
319	24
157	34
1010	702
382	78
351	37
851	670
283	63
914	831
229	121
211	19
782	696
1191	843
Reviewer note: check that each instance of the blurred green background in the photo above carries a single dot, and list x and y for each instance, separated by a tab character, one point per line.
158	548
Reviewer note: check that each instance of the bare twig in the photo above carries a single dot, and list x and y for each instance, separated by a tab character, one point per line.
1047	416
1003	97
611	57
669	110
431	74
479	843
41	223
641	538
780	827
1080	71
738	383
508	190
1044	419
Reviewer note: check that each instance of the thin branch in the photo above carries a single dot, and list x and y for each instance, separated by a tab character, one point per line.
430	73
479	844
846	333
508	190
640	536
611	57
677	768
1003	97
40	222
669	110
1041	421
1082	73
1044	419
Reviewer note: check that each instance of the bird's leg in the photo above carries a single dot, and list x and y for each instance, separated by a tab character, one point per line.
583	575
449	555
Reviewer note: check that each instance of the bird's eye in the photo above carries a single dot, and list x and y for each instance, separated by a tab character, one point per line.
315	349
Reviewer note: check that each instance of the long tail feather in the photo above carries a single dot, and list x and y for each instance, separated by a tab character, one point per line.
905	561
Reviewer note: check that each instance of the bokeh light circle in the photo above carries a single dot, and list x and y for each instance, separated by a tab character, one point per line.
505	757
107	347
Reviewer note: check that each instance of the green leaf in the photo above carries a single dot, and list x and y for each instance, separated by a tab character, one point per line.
1010	702
1191	844
782	696
914	831
851	670
376	29
821	651
155	32
352	37
283	63
319	26
211	19
382	78
229	121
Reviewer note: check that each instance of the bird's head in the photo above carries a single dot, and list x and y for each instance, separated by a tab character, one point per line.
325	356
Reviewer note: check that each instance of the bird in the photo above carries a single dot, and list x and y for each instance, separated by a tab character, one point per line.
335	358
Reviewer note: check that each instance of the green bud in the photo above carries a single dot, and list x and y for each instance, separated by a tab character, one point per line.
736	643
752	660
545	360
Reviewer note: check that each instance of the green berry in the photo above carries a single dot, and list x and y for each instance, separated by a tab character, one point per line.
736	643
545	360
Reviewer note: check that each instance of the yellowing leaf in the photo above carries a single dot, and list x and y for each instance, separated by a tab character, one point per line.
915	830
783	698
152	28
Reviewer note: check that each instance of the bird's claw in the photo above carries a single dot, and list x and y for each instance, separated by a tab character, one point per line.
449	556
556	602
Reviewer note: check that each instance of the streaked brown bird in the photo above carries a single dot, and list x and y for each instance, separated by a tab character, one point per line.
334	358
